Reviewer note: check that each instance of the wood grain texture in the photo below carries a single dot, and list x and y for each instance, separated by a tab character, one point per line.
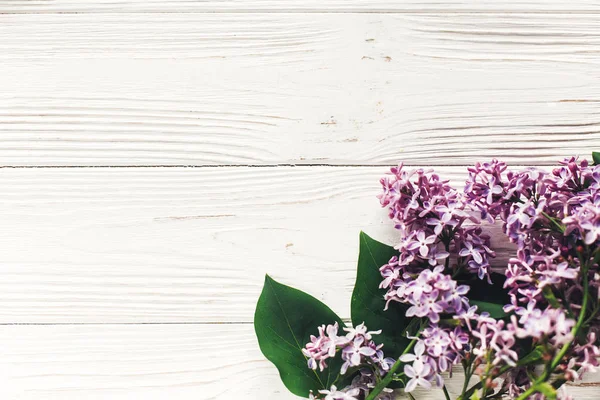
135	361
208	362
344	6
345	89
134	251
90	245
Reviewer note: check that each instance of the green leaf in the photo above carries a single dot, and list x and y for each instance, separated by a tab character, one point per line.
494	309
486	297
284	320
368	302
596	157
483	291
413	327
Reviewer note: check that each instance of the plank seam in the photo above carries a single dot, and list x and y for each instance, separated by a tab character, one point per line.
122	323
291	11
248	166
345	320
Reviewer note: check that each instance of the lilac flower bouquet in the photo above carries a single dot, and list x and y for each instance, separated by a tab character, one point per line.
436	300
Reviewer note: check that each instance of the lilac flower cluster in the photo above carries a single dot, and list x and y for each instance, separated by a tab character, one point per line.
533	204
495	341
548	215
440	347
358	350
437	227
432	218
485	341
551	324
552	282
361	386
435	352
430	293
554	219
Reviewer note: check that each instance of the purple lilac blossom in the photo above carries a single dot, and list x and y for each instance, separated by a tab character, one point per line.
361	386
554	219
324	346
547	215
357	349
435	352
435	223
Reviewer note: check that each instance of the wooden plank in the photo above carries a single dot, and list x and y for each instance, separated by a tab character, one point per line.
345	6
211	362
369	89
183	244
135	361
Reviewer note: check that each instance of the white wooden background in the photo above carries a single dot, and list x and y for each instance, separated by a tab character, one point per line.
161	155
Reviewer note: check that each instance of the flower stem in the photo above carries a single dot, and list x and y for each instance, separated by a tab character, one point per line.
468	393
446	392
525	395
390	375
563	351
558	225
468	374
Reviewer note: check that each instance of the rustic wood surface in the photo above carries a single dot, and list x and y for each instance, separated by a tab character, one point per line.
315	6
183	244
161	156
272	89
193	361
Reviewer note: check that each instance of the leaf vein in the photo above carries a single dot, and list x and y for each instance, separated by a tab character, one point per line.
292	331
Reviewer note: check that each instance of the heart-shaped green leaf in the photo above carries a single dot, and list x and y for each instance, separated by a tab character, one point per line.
368	302
284	320
481	290
489	298
494	309
596	157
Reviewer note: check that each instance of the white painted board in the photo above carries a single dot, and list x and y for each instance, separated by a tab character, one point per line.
309	6
154	362
120	283
184	244
344	89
